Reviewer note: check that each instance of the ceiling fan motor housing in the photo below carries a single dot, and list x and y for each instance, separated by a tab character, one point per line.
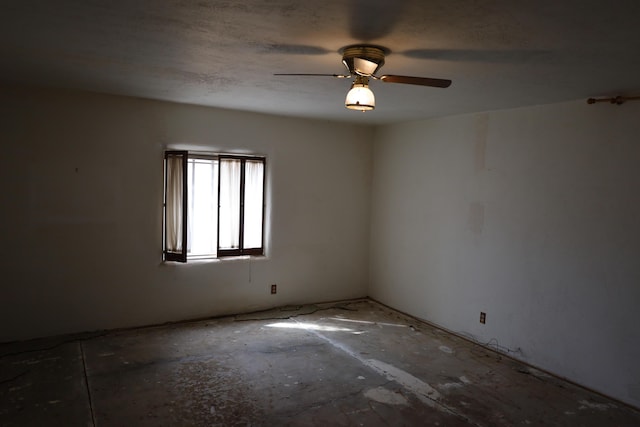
363	60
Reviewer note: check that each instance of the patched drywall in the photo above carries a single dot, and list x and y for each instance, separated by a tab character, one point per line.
530	215
82	185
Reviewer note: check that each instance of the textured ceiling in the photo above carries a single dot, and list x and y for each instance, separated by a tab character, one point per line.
499	54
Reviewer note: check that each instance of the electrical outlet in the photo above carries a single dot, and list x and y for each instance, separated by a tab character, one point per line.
274	289
483	317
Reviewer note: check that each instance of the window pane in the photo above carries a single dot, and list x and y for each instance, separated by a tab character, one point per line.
253	194
203	210
230	203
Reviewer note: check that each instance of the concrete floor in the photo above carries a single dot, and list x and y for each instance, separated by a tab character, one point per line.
355	363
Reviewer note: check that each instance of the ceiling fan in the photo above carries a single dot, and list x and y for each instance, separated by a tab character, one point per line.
362	63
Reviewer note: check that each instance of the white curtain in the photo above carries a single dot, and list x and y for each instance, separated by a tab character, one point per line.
230	203
173	219
253	194
202	220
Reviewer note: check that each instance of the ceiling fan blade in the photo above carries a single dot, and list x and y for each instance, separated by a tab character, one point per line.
340	76
422	81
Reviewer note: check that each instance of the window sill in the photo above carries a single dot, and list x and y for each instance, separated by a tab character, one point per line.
207	260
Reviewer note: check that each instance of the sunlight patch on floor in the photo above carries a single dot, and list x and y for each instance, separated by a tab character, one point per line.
309	327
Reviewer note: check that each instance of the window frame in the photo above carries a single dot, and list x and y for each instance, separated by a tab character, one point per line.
183	256
241	251
171	255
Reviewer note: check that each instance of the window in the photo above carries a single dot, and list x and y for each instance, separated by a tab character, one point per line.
213	205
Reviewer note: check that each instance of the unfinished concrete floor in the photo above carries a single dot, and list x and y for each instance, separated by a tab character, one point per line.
356	363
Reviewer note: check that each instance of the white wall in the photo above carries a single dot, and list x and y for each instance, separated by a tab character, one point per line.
531	215
81	182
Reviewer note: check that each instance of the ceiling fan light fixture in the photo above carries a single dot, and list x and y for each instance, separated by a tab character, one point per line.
363	60
364	67
360	97
362	63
